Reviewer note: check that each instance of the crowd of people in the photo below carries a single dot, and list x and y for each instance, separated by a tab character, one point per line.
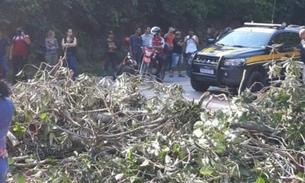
171	49
17	51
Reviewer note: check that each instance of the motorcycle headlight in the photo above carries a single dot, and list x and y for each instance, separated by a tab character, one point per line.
234	62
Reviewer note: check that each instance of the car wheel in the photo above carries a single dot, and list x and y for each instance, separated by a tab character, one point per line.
199	86
255	82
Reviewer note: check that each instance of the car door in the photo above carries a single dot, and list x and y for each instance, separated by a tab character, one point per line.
288	40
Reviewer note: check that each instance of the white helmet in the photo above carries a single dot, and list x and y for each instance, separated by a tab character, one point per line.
154	30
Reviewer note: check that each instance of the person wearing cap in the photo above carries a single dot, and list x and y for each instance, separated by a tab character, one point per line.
111	54
4	44
19	52
177	54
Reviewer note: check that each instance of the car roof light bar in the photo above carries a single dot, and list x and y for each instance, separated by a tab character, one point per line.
262	24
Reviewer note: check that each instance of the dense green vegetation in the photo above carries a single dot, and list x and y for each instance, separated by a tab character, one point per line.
91	19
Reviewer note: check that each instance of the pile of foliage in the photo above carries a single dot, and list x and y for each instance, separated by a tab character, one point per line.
96	130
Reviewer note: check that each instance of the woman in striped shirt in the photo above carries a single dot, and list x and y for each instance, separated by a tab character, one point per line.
51	45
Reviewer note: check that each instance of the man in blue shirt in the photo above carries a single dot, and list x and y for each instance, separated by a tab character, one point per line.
136	43
6	115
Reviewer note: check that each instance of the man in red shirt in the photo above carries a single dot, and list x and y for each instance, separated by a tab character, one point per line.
19	52
158	43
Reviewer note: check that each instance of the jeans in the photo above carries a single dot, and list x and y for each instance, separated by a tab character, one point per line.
18	63
3	66
137	57
3	169
51	58
72	62
169	58
176	60
162	61
111	61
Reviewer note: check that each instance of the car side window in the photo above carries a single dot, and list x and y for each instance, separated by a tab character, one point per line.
278	39
288	39
292	40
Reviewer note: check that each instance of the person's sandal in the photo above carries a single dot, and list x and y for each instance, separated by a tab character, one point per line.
181	76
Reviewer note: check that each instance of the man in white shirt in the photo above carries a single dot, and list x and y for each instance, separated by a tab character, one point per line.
146	37
191	42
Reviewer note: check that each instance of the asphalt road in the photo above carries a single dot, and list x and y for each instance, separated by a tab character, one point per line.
218	96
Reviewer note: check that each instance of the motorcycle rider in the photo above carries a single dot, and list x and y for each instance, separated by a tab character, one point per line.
158	43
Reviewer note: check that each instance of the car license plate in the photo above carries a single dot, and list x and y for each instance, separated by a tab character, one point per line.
206	71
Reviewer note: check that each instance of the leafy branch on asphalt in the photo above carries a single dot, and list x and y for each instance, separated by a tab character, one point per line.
97	130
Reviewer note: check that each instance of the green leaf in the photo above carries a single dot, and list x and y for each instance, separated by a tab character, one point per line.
21	179
260	180
219	113
129	155
51	160
43	116
10	161
300	174
205	171
198	124
204	117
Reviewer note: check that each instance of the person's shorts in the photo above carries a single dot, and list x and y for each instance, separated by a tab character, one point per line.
176	60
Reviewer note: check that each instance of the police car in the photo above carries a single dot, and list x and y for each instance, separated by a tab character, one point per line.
244	49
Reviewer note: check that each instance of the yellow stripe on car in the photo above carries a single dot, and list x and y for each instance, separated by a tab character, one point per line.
207	50
268	57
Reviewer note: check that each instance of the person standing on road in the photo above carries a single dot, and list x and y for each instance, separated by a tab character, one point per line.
136	43
177	54
111	55
169	37
19	52
191	42
301	46
51	46
69	44
4	54
146	37
6	115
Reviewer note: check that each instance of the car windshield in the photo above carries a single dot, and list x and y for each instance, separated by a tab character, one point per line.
245	39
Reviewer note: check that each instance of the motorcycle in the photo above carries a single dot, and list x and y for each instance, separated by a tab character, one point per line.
151	66
128	65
